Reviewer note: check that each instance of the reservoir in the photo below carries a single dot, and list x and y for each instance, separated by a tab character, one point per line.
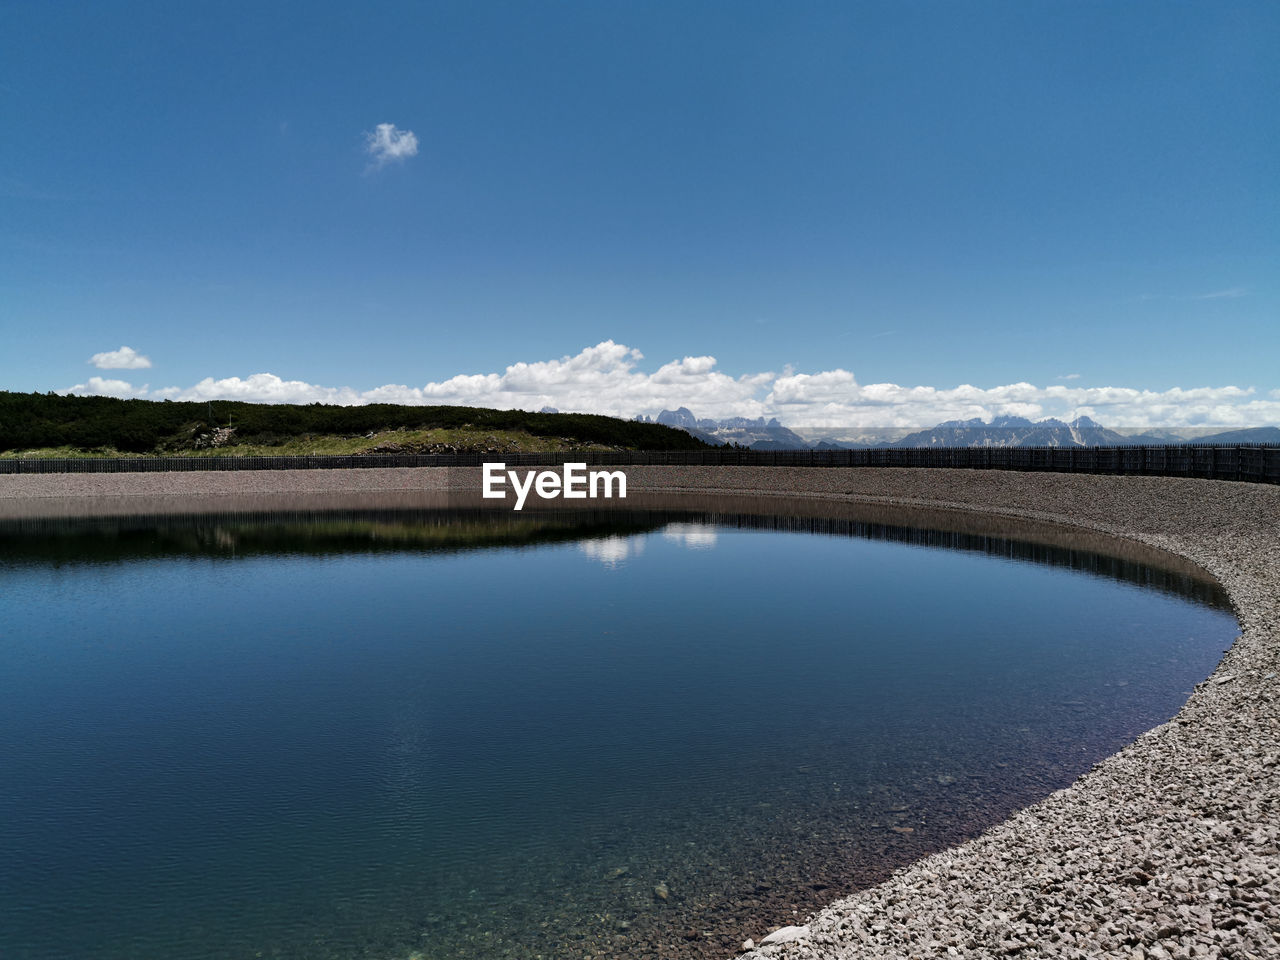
639	732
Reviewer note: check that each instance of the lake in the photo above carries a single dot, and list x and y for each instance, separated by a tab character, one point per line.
431	734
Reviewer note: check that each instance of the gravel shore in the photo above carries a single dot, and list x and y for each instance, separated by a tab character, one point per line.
1170	848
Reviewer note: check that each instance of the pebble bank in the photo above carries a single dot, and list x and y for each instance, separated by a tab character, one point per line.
1168	849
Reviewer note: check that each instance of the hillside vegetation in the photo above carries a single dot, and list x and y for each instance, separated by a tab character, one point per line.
36	424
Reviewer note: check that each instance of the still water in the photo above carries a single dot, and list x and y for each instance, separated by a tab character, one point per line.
395	735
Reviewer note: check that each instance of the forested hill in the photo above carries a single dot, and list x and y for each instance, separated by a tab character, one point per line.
44	421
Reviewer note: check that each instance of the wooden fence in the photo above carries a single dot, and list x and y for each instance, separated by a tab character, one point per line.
1249	462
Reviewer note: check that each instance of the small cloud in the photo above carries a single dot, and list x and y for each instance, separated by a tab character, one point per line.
100	387
1229	294
388	143
126	358
1068	376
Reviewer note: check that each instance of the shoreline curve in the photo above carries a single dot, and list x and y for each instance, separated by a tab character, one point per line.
1168	848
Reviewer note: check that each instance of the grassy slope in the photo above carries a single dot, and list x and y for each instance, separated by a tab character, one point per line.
45	425
437	440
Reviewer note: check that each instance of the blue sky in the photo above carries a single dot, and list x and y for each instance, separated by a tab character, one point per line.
916	197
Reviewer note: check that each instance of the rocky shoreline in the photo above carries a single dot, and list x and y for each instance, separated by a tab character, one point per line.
1170	848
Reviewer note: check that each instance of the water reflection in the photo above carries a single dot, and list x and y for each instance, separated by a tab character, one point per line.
369	731
609	535
613	550
695	536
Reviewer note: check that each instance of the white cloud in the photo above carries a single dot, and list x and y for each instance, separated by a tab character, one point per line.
126	358
1068	376
388	142
267	388
1232	293
100	387
607	379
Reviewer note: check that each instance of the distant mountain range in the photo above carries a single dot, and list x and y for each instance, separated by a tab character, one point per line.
1021	432
761	434
756	434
